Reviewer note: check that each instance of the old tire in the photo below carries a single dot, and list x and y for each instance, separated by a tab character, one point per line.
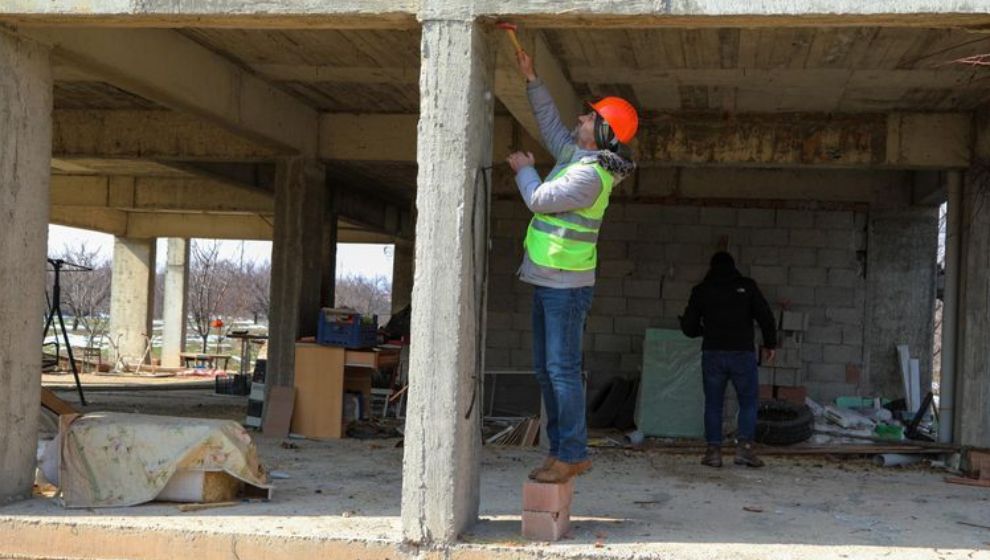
783	423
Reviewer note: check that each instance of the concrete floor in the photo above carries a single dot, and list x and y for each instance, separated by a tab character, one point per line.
632	505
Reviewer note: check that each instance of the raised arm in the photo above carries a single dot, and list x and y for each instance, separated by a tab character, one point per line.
556	137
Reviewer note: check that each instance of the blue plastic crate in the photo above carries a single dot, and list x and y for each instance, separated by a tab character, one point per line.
350	330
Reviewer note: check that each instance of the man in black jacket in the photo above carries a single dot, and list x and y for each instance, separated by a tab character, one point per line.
722	310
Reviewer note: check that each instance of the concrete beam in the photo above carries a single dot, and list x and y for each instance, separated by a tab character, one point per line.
510	86
175	71
155	135
352	137
25	140
209	226
650	13
242	14
351	74
157	193
908	141
440	489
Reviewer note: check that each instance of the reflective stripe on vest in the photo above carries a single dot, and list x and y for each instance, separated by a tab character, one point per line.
567	240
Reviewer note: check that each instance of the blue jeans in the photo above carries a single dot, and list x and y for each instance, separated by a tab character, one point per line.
718	368
558	327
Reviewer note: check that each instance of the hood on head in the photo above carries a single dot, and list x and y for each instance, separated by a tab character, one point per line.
722	266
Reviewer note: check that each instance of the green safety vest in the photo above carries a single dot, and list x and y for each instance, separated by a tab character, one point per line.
568	240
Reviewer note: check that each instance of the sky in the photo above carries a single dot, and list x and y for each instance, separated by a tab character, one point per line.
358	259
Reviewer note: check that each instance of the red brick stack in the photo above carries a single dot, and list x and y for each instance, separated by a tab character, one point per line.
546	510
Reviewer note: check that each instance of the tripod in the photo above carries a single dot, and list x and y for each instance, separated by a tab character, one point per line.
55	309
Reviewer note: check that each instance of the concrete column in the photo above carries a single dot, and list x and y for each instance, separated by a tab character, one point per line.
403	265
298	256
175	306
25	159
440	490
972	415
132	292
328	278
902	248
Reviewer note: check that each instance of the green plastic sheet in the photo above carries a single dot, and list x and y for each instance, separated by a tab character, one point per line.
671	398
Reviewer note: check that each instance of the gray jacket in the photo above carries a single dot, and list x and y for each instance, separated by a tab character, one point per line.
577	188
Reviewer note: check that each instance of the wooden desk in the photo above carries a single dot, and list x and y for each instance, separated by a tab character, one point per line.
192	360
322	375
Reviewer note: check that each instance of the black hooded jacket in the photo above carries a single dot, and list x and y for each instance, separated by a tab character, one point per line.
723	307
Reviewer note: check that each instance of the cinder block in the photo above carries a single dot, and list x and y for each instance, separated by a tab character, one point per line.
834	220
545	525
846	240
693	234
826	373
620	231
774	237
612	250
679	215
645	307
611	343
853	374
759	255
635	326
796	294
794	219
793	321
768	275
599	324
845	316
674	308
712	216
554	498
797	256
632	362
757	217
852	334
783	376
843	277
612	306
808	238
843	297
806	276
641	288
830	334
616	269
841	354
829	258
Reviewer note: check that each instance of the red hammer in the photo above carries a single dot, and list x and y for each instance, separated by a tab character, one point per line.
510	28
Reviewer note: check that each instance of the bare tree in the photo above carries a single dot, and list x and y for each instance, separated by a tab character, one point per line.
86	295
209	280
367	295
259	283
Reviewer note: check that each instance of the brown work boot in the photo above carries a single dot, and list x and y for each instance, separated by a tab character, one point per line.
560	472
745	455
713	457
547	463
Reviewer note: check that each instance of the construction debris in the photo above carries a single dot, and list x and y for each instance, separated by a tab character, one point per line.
524	434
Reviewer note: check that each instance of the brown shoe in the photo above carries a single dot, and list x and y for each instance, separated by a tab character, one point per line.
713	457
560	472
547	463
745	455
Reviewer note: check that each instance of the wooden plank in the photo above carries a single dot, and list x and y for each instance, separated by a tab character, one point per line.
55	404
279	411
319	381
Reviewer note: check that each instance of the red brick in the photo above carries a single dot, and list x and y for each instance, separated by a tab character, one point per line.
766	392
853	373
538	496
545	525
795	395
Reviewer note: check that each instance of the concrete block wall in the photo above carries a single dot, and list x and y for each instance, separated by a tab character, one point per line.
651	255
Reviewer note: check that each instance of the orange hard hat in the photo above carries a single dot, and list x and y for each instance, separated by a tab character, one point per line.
620	115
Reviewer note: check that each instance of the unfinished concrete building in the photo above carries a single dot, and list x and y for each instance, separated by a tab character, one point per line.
814	140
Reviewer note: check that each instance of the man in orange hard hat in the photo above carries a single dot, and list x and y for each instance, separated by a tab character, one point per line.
560	254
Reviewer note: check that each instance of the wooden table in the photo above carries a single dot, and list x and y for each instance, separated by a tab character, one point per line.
193	360
322	375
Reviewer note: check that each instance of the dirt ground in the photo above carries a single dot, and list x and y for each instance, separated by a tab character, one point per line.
631	505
